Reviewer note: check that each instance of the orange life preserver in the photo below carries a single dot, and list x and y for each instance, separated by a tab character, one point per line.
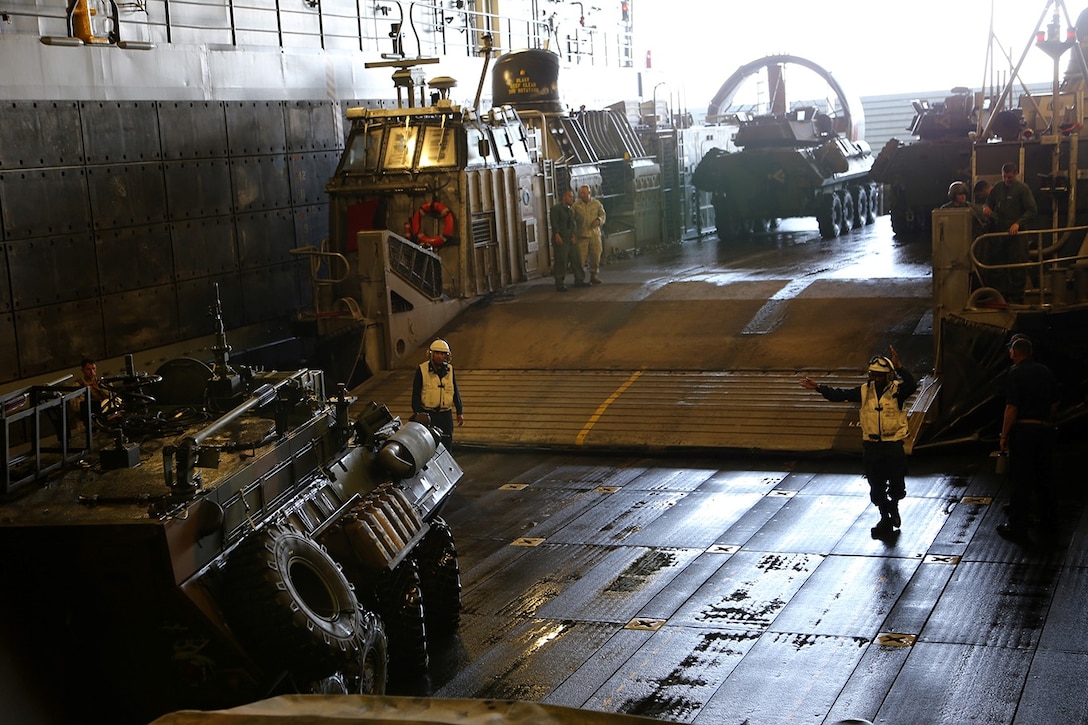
438	210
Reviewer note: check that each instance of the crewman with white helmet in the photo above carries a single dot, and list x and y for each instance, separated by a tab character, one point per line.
435	393
883	419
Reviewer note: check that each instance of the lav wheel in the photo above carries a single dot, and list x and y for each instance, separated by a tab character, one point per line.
367	674
291	603
440	579
364	673
830	216
847	203
400	604
861	207
874	203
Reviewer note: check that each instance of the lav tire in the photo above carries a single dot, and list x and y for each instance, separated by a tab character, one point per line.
830	216
289	601
366	673
440	579
400	604
861	207
847	203
874	203
363	674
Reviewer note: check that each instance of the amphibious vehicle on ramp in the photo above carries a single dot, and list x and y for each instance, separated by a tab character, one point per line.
216	535
793	162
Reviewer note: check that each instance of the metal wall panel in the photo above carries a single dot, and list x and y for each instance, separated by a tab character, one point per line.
198	188
203	248
140	319
55	337
117	132
260	182
135	257
44	202
39	133
255	18
302	22
311	225
128	195
9	358
192	129
51	270
303	40
265	238
117	217
311	126
271	292
255	127
257	38
309	174
196	297
5	285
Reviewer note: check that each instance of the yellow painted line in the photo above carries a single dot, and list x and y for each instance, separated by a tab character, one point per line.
581	437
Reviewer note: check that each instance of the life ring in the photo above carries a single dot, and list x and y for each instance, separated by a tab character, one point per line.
437	210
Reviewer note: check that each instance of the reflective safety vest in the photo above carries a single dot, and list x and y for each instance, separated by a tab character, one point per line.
437	393
881	417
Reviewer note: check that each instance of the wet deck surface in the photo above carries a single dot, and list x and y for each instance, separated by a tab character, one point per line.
711	586
733	590
696	346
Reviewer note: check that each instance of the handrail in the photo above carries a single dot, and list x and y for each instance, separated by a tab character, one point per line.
367	27
315	256
1042	263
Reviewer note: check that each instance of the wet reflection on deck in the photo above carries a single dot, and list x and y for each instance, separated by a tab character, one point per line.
729	590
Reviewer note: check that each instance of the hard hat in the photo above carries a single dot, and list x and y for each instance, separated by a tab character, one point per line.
957	187
881	365
439	346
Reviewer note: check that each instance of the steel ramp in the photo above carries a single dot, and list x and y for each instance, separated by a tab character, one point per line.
653	411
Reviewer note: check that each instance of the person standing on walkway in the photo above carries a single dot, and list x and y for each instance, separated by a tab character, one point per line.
883	419
564	244
435	392
1027	435
588	217
1010	206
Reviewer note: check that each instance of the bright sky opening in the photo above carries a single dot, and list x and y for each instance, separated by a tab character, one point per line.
871	47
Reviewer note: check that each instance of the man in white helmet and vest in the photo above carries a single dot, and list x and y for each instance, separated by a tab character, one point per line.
883	429
435	393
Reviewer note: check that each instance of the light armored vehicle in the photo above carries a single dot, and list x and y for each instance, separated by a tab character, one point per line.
917	174
215	535
804	160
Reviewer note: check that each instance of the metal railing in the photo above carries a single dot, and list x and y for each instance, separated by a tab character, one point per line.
42	429
392	28
1051	278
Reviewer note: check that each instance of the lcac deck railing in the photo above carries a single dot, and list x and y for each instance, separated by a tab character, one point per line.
1051	279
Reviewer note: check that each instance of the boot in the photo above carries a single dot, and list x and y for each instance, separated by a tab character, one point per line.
893	514
884	527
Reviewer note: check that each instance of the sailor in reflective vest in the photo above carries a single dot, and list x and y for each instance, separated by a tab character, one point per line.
883	420
435	393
